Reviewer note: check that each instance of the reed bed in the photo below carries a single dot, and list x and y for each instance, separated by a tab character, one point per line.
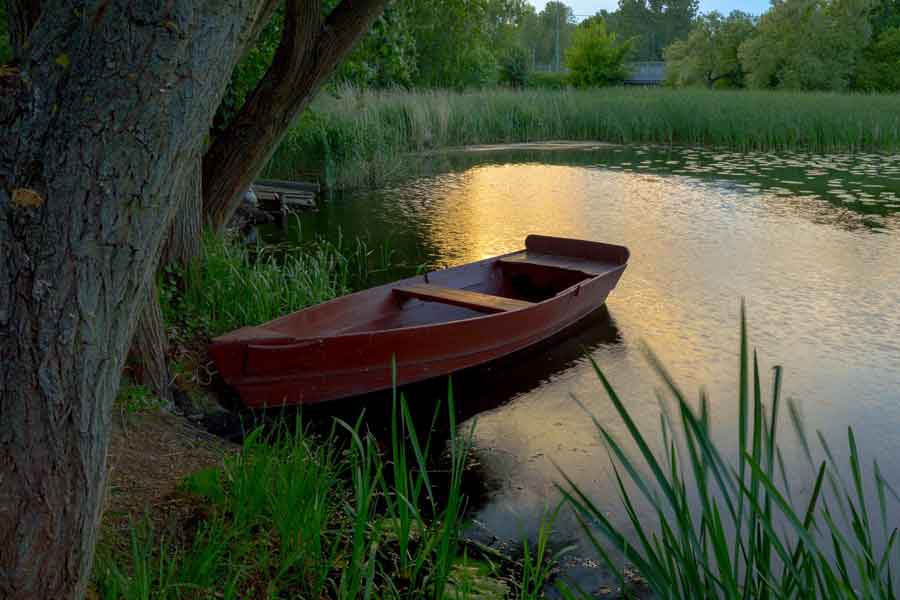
235	285
735	529
347	517
358	137
296	516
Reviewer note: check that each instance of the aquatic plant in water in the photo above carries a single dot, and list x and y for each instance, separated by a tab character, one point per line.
726	530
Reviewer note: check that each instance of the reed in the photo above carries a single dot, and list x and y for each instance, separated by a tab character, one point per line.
236	285
358	137
726	529
294	515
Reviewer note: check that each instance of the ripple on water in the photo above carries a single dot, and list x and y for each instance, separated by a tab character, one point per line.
811	242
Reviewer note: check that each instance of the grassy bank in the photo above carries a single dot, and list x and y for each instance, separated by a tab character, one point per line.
346	517
358	137
292	515
236	285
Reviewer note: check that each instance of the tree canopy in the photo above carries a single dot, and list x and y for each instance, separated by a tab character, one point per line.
596	56
798	44
709	55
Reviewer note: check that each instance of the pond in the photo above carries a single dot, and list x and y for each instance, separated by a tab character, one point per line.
812	243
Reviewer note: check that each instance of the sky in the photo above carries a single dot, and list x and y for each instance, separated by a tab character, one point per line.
586	8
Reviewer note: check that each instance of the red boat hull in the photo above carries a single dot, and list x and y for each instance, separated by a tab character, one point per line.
271	365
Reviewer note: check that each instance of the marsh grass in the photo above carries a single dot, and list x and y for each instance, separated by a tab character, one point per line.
296	516
235	285
360	137
734	530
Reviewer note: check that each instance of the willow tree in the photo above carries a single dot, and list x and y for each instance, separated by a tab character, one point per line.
103	120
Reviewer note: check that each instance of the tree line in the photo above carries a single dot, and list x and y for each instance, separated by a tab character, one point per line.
462	44
836	45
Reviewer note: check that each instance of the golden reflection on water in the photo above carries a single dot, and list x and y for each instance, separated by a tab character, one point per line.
823	294
812	250
478	221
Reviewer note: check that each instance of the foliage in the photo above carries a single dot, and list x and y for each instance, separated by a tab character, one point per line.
295	515
654	25
709	55
879	70
515	67
477	68
445	31
134	398
807	44
596	57
386	56
359	138
737	531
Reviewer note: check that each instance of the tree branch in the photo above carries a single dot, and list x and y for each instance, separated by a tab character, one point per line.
309	51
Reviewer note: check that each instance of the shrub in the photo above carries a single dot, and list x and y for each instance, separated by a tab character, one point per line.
515	67
596	57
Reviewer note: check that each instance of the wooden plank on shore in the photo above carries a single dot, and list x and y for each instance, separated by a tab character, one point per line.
300	186
296	194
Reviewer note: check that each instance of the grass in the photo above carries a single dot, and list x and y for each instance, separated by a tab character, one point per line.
358	138
734	530
295	516
236	285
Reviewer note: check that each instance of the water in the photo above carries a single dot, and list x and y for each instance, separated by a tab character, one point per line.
811	242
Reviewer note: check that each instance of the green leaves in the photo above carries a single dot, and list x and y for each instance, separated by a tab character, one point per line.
596	57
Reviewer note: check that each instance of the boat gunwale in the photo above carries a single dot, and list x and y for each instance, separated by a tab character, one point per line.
278	342
296	341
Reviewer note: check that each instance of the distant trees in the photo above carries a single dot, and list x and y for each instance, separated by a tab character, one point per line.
709	55
515	66
879	70
798	44
807	44
596	56
652	24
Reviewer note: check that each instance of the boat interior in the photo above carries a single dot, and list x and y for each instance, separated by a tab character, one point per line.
546	268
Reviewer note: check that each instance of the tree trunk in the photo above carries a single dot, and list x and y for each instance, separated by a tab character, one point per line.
150	347
113	96
310	49
181	249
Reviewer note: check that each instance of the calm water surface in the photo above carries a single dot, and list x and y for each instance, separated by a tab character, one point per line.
811	242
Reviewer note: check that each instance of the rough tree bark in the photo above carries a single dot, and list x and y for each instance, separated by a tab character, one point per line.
149	348
310	48
111	97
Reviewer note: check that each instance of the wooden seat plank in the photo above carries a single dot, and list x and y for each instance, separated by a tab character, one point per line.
466	298
569	263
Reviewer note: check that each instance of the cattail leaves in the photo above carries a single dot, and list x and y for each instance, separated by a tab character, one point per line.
724	530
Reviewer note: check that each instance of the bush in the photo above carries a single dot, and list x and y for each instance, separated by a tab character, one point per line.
515	67
596	58
477	68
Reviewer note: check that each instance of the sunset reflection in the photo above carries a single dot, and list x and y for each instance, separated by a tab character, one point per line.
811	248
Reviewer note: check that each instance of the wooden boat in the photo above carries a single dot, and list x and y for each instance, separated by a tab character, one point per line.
434	324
